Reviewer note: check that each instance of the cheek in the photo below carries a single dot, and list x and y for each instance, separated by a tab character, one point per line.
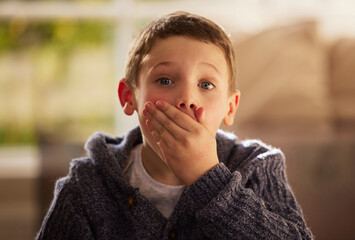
154	98
214	118
215	114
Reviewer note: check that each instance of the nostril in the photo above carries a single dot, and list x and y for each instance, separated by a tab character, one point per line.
182	105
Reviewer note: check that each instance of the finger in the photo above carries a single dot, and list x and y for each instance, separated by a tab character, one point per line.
161	120
159	132
163	147
178	117
159	150
155	135
162	152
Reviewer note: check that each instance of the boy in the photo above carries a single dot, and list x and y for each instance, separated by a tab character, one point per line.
177	176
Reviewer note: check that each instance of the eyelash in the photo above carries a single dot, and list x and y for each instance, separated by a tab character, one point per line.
210	85
159	80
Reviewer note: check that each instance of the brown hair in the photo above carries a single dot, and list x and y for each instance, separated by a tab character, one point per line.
179	23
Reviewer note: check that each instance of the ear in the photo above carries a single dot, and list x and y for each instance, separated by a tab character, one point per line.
233	103
125	96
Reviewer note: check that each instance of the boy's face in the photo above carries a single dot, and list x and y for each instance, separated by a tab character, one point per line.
188	74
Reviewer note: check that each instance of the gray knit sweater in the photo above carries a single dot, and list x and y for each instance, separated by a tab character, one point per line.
246	196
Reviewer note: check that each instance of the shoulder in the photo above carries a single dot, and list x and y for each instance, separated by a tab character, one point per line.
103	140
78	188
107	156
66	216
79	168
67	192
246	154
105	150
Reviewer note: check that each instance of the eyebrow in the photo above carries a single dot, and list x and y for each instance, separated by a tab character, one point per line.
201	63
162	64
212	66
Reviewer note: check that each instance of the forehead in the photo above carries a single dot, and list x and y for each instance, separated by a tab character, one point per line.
185	50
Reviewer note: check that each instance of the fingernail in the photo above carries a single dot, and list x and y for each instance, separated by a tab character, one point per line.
159	103
156	137
148	105
147	123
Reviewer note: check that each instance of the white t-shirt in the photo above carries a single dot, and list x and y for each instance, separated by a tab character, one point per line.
163	197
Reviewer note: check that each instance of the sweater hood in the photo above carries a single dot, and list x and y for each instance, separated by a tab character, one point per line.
102	148
108	155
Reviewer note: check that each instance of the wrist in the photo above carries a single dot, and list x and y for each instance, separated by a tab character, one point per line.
210	184
200	172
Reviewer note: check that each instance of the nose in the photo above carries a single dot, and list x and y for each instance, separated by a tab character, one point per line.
187	104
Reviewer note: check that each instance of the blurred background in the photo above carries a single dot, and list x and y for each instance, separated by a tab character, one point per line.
60	63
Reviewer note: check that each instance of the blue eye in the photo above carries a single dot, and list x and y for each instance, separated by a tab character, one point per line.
206	85
165	81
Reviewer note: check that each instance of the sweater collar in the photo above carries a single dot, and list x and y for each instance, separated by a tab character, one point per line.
102	148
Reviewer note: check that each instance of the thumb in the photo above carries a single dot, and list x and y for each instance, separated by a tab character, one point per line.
200	115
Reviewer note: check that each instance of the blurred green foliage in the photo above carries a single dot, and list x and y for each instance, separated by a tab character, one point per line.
65	0
10	135
63	34
61	37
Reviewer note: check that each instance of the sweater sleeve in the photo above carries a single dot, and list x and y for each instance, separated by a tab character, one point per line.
63	220
256	203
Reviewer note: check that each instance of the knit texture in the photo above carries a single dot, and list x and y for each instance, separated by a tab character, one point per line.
246	196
